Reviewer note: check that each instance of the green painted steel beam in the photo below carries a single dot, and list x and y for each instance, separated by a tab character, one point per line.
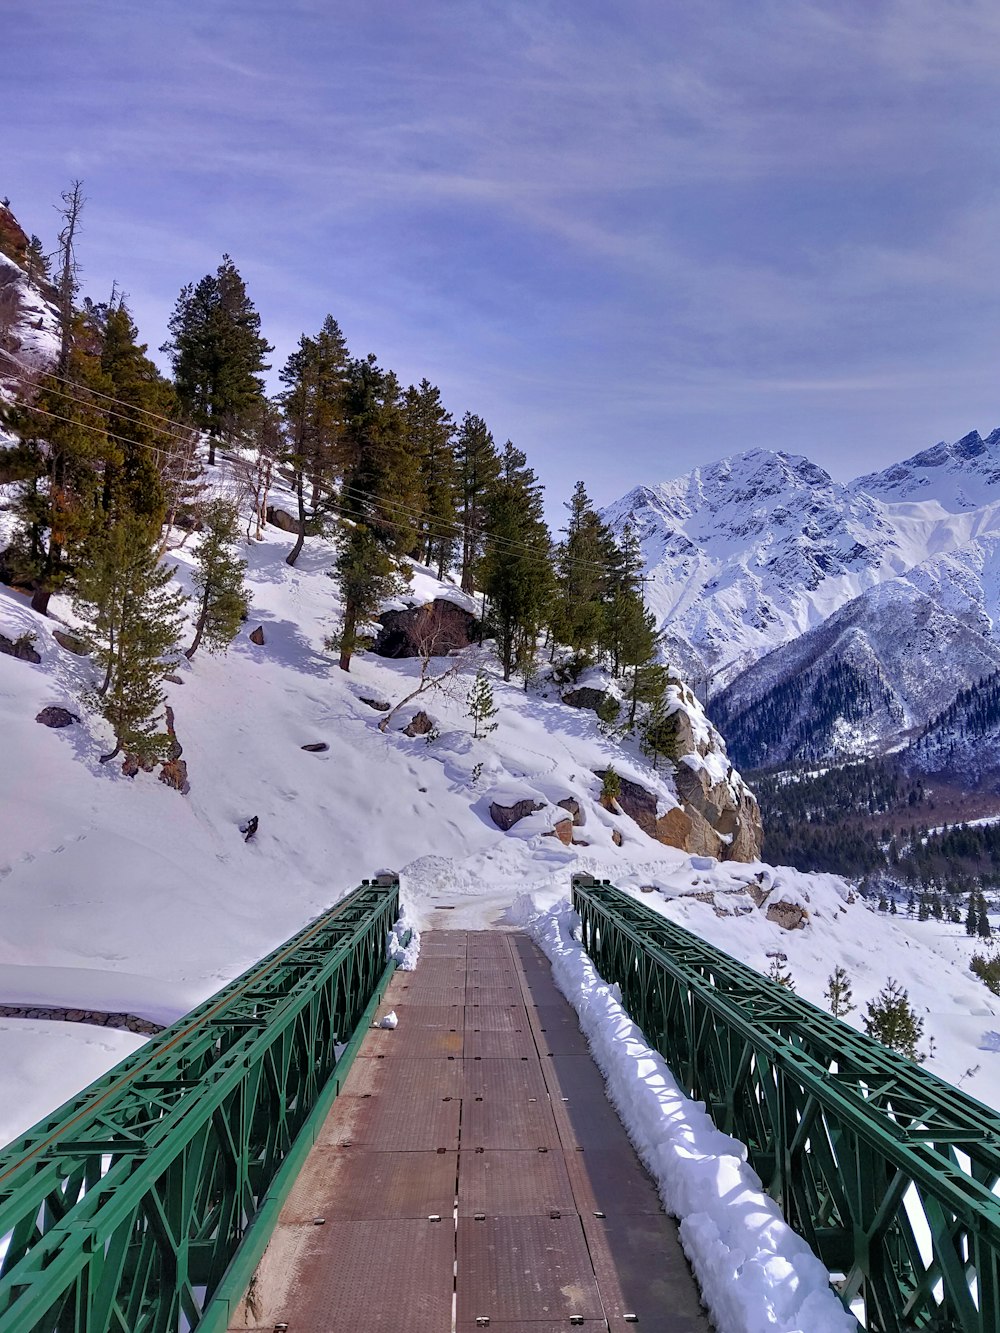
890	1173
127	1207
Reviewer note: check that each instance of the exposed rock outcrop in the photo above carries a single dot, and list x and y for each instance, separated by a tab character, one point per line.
506	816
174	771
420	724
438	628
54	716
280	518
23	648
574	808
587	696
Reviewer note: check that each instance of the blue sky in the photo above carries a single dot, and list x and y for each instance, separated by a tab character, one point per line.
633	237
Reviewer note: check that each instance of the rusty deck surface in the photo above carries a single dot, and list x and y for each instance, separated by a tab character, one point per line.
472	1174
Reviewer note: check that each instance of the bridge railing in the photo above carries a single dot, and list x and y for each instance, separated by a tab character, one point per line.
143	1205
888	1172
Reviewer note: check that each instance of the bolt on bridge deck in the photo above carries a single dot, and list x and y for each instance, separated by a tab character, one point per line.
472	1174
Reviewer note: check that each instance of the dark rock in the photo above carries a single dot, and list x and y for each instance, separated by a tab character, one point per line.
70	642
20	648
257	636
440	627
130	765
586	697
636	802
174	680
53	716
616	837
280	518
249	828
315	747
506	816
789	916
419	725
573	806
175	774
379	705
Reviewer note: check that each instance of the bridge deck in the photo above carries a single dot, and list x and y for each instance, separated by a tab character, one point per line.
472	1174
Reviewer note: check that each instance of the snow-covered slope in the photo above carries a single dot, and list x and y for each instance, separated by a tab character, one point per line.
748	553
29	326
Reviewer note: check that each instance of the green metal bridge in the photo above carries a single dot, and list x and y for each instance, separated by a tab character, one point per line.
145	1203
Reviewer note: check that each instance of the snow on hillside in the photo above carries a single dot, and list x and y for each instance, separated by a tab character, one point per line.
959	476
121	893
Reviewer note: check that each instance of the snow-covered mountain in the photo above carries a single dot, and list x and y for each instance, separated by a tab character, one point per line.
751	552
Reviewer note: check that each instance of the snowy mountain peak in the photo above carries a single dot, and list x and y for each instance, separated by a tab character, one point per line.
960	476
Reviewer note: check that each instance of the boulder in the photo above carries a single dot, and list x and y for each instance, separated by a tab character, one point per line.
316	747
70	642
379	705
563	831
174	771
574	808
438	628
174	680
789	916
616	837
587	696
280	518
21	648
53	716
636	802
506	816
420	724
257	636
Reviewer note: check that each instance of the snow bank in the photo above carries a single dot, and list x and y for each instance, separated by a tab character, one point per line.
756	1275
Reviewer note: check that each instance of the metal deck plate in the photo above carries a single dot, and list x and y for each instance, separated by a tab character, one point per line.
521	1183
352	1285
496	1018
500	1046
641	1270
557	1030
500	1123
611	1181
427	1124
449	1016
534	1326
430	992
573	1076
355	1185
415	1042
401	1079
525	1268
503	1080
589	1122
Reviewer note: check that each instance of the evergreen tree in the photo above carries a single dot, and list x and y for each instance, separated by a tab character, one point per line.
315	378
924	911
583	567
516	569
36	263
480	705
983	921
660	734
430	431
478	469
380	479
217	352
131	624
218	580
611	789
781	974
972	915
838	993
892	1020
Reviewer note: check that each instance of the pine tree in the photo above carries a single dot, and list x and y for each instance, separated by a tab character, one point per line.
924	910
660	734
217	352
516	569
380	477
218	580
478	468
315	378
893	1021
131	624
972	915
983	928
480	705
611	789
36	263
779	973
583	568
838	993
430	431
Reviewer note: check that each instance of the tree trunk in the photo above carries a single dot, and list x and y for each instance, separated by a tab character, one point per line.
107	758
40	600
211	448
293	554
200	627
347	638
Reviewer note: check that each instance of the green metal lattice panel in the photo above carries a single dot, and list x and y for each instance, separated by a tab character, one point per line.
890	1173
142	1205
